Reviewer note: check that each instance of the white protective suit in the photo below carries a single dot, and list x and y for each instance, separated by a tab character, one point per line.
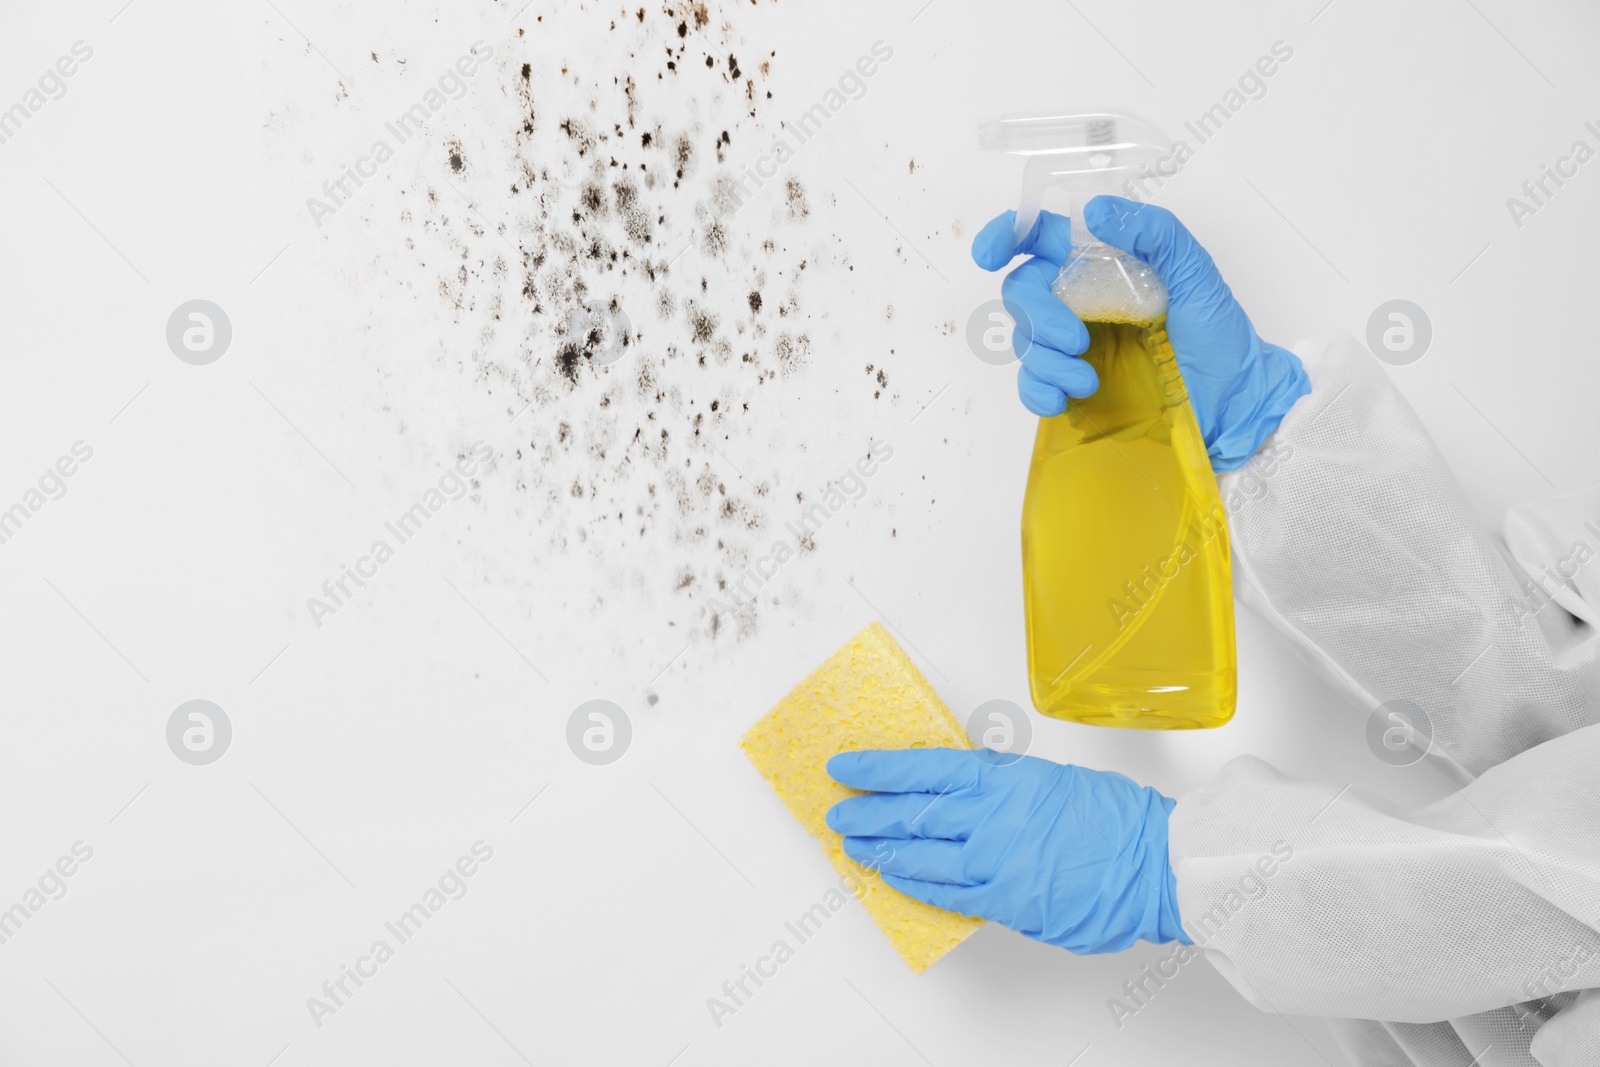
1467	927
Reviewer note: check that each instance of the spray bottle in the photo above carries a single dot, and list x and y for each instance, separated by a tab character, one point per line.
1126	580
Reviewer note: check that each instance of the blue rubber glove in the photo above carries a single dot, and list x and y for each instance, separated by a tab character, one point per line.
1066	855
1239	386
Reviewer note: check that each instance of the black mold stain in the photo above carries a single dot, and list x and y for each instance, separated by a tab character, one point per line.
795	200
703	324
792	353
599	197
714	241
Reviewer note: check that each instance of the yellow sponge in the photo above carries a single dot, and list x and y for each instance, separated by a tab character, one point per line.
867	695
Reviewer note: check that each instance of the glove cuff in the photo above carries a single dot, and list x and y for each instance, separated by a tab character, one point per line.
1168	924
1255	409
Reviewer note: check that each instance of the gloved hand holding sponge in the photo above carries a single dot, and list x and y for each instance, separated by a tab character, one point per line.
1068	856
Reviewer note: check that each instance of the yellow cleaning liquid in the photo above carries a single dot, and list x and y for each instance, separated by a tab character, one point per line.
1128	593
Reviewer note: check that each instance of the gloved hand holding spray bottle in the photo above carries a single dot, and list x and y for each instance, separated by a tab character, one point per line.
1148	376
1127	585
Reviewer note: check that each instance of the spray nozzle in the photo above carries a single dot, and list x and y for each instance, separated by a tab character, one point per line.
1082	155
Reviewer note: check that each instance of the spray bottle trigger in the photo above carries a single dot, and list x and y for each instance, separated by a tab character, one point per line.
1080	155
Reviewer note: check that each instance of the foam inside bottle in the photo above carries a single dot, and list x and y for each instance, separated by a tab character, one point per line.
1104	284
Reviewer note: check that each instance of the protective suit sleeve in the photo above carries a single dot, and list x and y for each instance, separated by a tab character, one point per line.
1571	1038
1352	537
1556	542
1316	900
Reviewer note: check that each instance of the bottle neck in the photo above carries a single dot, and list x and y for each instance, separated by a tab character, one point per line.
1139	381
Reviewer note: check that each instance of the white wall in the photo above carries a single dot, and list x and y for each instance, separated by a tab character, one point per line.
369	352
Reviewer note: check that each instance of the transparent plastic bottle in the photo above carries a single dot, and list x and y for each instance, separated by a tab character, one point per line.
1127	585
